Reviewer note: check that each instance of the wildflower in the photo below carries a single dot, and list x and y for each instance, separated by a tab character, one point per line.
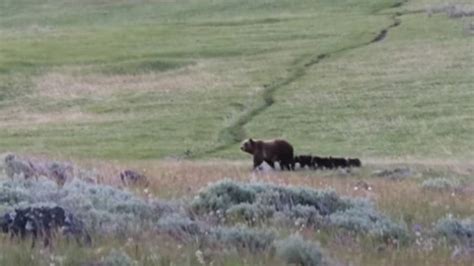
417	227
200	257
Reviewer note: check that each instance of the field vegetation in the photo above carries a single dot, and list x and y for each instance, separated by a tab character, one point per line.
170	88
155	79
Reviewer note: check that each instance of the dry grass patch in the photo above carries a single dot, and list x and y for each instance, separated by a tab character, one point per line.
63	89
402	199
16	117
65	86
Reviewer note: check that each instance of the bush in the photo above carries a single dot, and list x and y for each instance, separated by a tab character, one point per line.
226	194
108	209
441	184
117	258
294	250
456	230
369	221
299	206
223	195
303	214
251	213
253	240
103	209
182	228
10	195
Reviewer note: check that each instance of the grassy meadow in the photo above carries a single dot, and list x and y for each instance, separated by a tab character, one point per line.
171	88
153	79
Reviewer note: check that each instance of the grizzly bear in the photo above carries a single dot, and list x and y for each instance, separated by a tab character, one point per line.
304	160
270	151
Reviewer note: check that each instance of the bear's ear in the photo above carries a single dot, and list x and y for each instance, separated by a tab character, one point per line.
251	141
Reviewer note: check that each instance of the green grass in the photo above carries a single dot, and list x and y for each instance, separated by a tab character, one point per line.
216	72
136	81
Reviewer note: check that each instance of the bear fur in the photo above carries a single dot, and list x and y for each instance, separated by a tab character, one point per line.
354	162
270	151
304	160
322	163
334	162
339	162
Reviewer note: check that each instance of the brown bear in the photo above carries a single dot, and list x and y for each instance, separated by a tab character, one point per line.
270	151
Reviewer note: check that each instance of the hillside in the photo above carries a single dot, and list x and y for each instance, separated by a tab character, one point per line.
154	79
120	125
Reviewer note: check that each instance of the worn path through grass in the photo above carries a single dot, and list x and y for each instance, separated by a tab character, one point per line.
234	133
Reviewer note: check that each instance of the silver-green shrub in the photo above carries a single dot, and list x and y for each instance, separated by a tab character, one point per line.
441	184
304	215
182	228
117	258
225	194
456	230
299	206
370	221
104	209
185	229
253	240
250	213
294	250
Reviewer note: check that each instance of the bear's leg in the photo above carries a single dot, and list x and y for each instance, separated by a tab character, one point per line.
271	163
285	164
257	161
345	164
331	163
290	165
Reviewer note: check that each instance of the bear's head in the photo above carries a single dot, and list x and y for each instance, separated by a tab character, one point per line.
248	146
296	159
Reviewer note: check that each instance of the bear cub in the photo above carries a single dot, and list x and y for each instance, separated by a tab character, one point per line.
354	162
304	160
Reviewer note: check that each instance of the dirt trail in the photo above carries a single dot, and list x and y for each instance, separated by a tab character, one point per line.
234	132
383	33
